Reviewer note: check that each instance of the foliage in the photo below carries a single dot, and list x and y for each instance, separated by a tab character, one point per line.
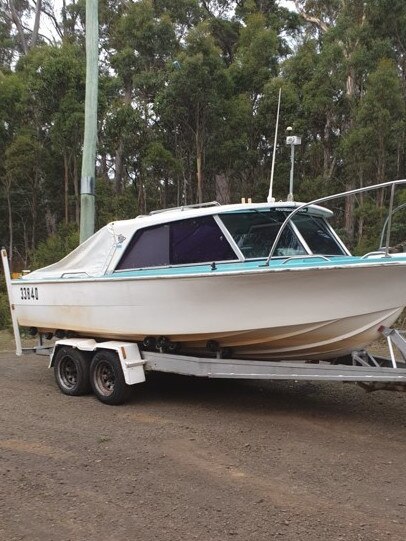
5	318
187	96
56	246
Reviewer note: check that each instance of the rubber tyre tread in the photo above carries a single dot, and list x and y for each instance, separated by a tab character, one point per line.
122	391
82	365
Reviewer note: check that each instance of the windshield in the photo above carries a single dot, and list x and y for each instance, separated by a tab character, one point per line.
254	232
317	235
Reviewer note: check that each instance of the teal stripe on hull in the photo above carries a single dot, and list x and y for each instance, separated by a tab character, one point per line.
336	261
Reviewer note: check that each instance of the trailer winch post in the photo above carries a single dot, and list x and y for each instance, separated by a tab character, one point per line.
7	276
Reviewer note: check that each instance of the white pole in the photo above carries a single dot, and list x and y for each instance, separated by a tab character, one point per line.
270	198
292	166
17	337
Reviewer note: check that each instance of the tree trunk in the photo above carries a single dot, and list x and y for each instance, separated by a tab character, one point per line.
380	194
50	222
119	167
63	13
104	167
76	190
199	163
165	194
223	195
26	245
349	217
17	21
66	186
10	225
361	203
34	204
34	38
141	198
119	158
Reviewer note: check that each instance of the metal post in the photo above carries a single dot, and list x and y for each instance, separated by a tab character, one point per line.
392	196
87	189
292	140
292	166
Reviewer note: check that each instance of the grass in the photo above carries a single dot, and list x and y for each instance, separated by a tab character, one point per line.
7	341
103	439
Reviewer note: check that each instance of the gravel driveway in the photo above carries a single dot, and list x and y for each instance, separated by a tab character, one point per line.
197	459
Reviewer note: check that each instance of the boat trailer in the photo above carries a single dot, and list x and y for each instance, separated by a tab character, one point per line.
110	368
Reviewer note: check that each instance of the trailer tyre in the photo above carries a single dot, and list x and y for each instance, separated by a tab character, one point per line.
107	378
71	368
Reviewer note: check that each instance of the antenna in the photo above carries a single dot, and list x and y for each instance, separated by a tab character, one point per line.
270	198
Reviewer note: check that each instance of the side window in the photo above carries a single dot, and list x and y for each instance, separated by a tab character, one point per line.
148	248
196	240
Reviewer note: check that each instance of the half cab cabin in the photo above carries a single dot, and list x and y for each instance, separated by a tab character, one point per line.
230	235
189	236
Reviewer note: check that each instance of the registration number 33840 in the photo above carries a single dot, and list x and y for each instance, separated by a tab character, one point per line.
29	293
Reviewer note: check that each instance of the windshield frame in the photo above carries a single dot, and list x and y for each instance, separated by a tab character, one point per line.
291	226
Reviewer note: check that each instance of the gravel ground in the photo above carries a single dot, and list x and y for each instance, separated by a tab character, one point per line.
197	459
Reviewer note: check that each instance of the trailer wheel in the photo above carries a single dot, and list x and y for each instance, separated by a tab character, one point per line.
107	378
71	369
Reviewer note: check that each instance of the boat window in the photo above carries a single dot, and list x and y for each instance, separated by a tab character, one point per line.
195	240
148	248
255	231
316	234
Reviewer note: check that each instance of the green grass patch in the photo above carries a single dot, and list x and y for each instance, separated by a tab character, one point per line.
7	341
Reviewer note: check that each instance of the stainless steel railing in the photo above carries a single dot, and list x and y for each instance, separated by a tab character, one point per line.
392	184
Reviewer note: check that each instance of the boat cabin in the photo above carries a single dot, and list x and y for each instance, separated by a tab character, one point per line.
229	236
202	235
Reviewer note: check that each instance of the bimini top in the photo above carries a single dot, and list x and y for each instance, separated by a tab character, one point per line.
186	235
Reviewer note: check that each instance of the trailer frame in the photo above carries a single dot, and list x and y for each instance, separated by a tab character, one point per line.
371	372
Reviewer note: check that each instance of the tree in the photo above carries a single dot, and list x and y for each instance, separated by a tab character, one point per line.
194	92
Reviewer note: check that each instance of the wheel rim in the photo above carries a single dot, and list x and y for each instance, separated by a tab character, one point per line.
104	378
68	373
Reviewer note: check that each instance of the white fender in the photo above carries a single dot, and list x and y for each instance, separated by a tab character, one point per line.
128	353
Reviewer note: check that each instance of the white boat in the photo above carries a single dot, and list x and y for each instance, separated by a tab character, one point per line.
201	278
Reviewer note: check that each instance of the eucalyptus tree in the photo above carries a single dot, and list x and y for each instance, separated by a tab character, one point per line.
56	81
193	95
12	97
142	40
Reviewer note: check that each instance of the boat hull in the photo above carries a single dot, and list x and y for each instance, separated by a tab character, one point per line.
318	313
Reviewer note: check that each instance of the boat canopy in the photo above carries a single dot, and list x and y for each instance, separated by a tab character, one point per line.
89	259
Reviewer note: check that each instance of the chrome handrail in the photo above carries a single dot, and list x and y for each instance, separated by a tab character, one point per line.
400	207
305	256
391	183
373	254
184	207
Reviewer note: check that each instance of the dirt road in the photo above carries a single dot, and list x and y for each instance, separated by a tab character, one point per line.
194	459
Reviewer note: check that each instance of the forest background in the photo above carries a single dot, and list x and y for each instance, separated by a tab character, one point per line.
188	95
